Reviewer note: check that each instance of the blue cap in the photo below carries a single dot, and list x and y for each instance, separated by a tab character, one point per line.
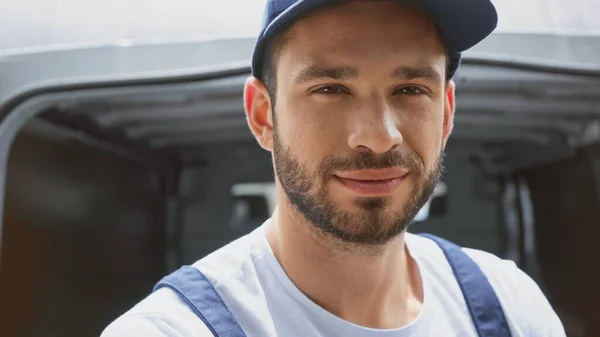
462	23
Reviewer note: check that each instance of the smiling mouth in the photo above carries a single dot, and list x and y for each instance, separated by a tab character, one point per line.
372	183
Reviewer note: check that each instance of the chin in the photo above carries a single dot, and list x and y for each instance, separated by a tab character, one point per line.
388	203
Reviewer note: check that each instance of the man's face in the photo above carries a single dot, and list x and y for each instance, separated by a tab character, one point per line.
362	115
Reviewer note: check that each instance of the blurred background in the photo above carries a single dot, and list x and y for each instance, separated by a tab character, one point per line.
124	152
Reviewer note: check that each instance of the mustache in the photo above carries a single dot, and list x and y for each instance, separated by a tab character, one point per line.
364	161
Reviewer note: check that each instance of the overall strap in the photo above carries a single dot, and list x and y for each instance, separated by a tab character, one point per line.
481	299
202	297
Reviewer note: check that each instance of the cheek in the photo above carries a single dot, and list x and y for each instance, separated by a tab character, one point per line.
423	133
309	131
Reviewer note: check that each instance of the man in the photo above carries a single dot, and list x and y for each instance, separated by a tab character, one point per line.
354	100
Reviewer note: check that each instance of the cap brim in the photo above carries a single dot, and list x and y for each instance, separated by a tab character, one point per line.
464	23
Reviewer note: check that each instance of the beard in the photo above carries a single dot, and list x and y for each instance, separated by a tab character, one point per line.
374	223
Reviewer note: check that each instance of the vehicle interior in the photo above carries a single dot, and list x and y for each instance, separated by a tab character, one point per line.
110	183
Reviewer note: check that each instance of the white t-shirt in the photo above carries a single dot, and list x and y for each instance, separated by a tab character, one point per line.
266	303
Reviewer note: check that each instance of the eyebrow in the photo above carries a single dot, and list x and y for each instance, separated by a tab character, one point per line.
411	73
336	73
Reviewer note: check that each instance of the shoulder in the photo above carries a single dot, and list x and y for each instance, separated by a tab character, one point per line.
519	294
526	307
164	313
161	314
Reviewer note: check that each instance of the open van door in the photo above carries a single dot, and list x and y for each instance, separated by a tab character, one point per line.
119	164
89	206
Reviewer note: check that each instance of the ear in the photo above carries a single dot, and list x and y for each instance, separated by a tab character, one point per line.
449	108
257	105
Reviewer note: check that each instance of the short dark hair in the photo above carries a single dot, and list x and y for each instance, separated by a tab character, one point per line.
269	64
271	56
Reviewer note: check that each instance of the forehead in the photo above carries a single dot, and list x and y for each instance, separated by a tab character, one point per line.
374	32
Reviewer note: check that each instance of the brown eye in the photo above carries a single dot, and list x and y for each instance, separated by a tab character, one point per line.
330	90
410	90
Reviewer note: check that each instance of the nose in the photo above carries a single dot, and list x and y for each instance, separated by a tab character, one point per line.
375	132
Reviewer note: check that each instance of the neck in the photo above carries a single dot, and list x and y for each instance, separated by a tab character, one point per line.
373	288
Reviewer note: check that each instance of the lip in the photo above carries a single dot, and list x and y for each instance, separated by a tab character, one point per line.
372	182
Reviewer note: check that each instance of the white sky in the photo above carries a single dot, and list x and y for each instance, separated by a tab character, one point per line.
25	23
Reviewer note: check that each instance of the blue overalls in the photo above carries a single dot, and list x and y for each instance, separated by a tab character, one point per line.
482	302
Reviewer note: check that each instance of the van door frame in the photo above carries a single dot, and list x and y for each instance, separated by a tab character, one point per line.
30	102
